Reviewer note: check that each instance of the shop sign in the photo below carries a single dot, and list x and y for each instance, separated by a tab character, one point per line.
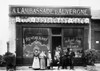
36	38
66	11
52	20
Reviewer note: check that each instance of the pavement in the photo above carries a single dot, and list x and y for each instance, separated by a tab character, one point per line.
76	68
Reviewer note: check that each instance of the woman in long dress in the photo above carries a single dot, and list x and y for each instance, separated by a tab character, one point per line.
36	62
49	59
42	60
57	57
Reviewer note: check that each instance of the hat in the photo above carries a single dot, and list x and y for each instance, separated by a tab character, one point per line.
36	47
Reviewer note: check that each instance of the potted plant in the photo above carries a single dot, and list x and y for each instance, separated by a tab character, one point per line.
91	56
10	60
2	62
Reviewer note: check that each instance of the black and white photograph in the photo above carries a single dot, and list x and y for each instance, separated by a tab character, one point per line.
49	35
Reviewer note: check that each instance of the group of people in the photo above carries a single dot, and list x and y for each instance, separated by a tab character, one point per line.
41	60
62	59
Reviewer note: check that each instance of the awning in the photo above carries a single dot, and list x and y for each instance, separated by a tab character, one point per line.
53	20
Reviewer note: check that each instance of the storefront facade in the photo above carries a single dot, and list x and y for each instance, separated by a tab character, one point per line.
48	27
95	34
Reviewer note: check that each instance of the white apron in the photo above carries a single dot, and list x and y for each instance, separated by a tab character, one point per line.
36	63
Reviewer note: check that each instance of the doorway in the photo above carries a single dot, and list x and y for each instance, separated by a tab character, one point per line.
56	41
97	44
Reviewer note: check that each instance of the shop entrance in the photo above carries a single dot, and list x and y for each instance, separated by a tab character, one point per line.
56	41
97	43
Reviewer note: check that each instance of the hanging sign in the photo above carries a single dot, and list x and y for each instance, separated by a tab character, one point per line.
48	11
52	20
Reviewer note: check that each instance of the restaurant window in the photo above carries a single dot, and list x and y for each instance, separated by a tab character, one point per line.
35	38
73	38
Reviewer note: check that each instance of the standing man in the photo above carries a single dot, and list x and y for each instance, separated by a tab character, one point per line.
64	60
68	57
72	55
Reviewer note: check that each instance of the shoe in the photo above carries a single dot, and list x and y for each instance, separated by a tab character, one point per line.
71	69
30	67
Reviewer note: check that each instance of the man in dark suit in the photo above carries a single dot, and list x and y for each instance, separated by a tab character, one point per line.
64	60
71	58
68	57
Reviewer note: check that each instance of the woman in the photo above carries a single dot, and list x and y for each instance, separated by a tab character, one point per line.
57	57
36	63
49	59
42	60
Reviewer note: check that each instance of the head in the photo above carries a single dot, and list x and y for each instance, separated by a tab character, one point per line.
36	50
57	48
55	57
49	51
43	51
71	50
68	49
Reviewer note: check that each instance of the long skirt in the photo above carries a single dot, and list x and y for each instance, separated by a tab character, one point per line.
42	63
48	62
36	63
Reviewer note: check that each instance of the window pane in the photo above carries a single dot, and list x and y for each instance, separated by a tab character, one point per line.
35	38
73	38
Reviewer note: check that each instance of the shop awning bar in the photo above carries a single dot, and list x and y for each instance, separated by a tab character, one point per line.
53	20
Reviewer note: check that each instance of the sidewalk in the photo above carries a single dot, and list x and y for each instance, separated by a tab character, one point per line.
76	68
26	68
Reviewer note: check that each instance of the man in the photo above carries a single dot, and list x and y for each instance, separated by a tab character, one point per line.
64	59
68	57
71	58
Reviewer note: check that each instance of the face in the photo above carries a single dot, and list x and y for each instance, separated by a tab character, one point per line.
71	50
43	51
36	50
56	48
59	48
49	51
